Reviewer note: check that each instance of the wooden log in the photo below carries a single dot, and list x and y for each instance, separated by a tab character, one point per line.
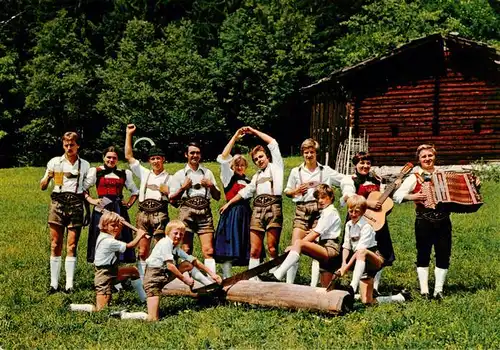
282	295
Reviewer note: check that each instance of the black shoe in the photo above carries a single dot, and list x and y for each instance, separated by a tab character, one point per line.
425	296
406	294
268	277
51	290
117	314
376	293
439	296
350	290
69	291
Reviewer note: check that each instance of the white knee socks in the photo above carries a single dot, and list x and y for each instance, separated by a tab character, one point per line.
292	258
423	279
70	266
227	269
134	315
376	280
391	299
251	264
440	275
291	273
82	307
210	263
359	268
55	271
314	273
141	266
139	288
200	277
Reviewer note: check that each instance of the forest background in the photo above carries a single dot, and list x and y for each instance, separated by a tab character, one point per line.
192	69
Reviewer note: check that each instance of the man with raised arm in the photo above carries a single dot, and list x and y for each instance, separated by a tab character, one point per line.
152	216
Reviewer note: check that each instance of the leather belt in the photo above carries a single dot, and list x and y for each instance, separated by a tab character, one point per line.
197	202
67	197
153	206
265	200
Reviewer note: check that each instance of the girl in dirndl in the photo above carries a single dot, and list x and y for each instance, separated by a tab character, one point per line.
232	237
110	181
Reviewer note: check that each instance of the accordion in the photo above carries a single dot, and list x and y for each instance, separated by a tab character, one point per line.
452	192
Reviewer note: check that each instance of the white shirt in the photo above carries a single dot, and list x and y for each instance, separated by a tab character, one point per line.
164	250
69	184
359	235
129	180
106	248
148	177
321	174
407	186
273	170
329	223
196	177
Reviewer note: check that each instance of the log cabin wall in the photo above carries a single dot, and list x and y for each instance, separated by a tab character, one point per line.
440	90
329	115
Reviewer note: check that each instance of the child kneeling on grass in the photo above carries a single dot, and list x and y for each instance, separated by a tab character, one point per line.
360	250
326	250
161	270
107	272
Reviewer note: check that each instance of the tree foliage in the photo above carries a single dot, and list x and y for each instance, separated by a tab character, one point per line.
191	69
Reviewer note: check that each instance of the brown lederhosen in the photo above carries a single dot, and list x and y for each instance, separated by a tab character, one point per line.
196	214
267	212
152	216
104	278
66	208
155	279
334	261
307	213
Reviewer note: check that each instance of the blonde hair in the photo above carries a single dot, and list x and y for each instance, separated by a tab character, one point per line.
357	201
425	146
107	218
237	159
174	224
309	143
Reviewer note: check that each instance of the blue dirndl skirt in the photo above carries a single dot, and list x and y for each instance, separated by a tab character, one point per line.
232	237
125	236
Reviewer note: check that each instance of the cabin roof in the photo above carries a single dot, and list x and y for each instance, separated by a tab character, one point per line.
345	72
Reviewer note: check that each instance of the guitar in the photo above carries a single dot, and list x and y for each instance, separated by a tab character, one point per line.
376	218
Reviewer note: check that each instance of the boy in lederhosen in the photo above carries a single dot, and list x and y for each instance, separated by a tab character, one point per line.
267	186
152	216
193	187
321	243
106	263
301	185
69	172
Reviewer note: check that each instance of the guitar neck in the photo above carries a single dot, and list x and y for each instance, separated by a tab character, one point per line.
387	193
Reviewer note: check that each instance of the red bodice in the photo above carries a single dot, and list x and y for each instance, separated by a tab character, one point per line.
365	190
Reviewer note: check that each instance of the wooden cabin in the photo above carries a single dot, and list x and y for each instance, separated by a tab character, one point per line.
443	90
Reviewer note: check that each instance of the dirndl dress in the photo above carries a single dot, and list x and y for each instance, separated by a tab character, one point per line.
232	236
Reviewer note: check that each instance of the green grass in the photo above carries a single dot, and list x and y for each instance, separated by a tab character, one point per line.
467	318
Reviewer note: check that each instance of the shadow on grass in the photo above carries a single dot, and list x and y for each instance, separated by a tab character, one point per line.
178	305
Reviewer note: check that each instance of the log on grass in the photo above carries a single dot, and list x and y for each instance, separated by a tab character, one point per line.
282	295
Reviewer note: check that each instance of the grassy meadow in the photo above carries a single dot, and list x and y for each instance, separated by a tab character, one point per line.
468	317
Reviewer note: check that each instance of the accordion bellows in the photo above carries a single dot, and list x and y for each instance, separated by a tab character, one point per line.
452	192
